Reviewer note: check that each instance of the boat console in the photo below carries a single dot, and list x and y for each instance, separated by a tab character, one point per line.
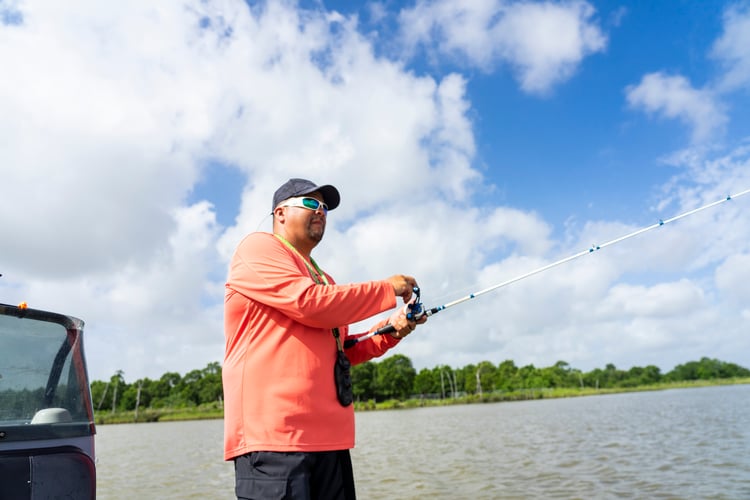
46	413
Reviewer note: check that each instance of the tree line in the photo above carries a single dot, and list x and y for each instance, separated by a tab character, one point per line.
396	378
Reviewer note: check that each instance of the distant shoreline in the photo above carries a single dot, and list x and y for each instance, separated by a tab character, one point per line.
216	411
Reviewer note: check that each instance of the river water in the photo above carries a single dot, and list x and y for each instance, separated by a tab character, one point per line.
674	444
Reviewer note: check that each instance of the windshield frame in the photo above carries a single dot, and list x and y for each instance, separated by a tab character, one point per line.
79	422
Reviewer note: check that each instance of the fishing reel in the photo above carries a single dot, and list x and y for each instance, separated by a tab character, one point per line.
415	309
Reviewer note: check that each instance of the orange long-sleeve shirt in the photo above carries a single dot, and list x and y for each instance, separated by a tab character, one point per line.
279	391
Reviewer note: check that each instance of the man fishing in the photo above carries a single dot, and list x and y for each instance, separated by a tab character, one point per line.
288	417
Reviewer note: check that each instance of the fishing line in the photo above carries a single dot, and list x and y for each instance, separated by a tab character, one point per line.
415	310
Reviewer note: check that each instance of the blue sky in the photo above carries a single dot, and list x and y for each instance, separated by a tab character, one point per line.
471	142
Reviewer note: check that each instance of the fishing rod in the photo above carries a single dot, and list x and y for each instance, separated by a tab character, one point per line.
415	310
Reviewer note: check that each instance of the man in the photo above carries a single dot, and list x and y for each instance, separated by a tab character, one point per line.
285	426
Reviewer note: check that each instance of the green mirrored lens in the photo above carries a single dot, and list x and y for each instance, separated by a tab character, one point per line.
313	204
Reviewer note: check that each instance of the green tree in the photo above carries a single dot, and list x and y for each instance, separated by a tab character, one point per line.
558	375
593	378
165	391
687	371
191	387
468	378
651	375
114	390
706	369
130	395
730	370
99	391
211	389
425	382
507	376
609	377
531	377
364	380
640	376
485	376
395	377
448	381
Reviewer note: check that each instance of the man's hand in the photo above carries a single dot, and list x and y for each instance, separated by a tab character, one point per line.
403	286
402	325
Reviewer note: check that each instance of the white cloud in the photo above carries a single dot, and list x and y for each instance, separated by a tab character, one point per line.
544	42
673	96
731	49
732	278
659	301
650	299
704	110
112	111
100	131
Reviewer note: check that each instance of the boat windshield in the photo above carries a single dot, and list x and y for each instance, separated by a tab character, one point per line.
44	391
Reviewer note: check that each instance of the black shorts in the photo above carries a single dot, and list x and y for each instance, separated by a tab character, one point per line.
270	475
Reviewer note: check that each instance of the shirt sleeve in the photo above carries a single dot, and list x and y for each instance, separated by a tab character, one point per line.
264	270
373	347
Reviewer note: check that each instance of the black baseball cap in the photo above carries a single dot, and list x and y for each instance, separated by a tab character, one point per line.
301	187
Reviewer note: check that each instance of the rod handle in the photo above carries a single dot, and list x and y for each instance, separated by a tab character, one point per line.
386	329
380	331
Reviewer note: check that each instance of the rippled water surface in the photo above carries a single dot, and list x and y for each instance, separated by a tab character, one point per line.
688	443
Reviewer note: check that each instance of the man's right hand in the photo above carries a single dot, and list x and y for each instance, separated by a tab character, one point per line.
403	286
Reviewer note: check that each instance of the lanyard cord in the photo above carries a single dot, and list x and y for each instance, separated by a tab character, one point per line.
317	275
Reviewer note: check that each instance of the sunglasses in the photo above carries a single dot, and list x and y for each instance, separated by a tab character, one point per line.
308	203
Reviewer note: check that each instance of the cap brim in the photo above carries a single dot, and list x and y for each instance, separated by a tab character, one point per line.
330	195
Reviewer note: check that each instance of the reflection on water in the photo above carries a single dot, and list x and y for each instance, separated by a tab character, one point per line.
689	443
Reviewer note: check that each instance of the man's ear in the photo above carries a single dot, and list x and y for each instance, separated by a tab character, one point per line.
279	214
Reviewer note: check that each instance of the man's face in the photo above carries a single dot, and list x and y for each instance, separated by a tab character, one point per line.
305	223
